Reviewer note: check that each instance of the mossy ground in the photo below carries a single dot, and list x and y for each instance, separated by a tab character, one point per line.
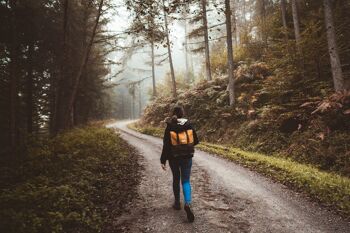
329	188
76	182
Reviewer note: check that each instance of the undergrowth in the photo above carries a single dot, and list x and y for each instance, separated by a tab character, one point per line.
293	116
75	182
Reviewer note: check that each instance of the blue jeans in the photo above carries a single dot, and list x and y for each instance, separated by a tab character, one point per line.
181	169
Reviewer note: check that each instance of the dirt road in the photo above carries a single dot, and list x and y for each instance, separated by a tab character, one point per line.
226	198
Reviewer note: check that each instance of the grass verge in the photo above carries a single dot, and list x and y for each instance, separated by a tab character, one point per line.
78	181
330	189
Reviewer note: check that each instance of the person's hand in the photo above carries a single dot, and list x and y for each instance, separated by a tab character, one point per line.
164	167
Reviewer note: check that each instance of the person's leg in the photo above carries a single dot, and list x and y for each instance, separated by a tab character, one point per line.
186	165
175	169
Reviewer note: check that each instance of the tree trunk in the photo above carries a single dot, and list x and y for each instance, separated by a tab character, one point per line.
82	66
187	73
229	52
29	89
332	48
284	18
169	52
58	117
262	16
153	71
14	53
206	40
234	22
296	23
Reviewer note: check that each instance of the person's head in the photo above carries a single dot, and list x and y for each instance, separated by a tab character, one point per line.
178	111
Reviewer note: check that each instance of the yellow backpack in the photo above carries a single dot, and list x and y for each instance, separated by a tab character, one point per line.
182	143
182	138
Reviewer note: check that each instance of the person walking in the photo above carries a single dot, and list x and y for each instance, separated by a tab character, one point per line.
178	148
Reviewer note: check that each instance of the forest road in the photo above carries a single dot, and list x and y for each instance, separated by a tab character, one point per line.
226	198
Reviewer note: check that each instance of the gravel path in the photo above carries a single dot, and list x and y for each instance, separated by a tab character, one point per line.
226	198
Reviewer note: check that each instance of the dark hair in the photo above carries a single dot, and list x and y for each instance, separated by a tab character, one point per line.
178	111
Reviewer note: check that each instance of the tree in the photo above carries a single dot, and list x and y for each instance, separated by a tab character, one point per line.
206	40
296	21
261	18
14	54
82	66
229	52
42	44
333	48
172	72
58	118
148	25
284	18
185	16
153	70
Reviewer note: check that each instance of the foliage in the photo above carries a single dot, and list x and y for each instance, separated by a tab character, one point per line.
166	86
269	116
39	62
75	182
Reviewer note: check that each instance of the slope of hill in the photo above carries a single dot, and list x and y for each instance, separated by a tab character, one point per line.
291	117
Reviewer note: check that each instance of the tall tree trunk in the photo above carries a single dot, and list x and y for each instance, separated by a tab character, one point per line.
187	73
332	47
153	70
169	51
58	117
234	21
206	40
262	18
284	18
82	66
296	21
14	53
244	10
229	52
29	89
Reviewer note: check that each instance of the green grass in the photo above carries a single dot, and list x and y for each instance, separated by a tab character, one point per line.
328	188
76	182
149	130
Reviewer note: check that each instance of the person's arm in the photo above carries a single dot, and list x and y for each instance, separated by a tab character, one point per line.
195	137
166	146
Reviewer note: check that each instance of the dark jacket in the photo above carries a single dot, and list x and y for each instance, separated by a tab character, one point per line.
176	125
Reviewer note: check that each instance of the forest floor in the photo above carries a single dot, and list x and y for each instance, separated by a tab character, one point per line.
79	181
226	198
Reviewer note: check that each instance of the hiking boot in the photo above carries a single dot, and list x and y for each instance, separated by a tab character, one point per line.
177	206
190	215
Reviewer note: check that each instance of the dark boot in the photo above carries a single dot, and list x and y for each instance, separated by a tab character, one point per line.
190	215
177	205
